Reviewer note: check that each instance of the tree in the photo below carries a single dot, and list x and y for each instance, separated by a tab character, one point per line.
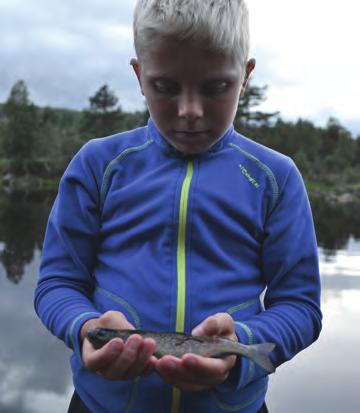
333	135
132	120
20	126
19	94
245	116
103	117
357	149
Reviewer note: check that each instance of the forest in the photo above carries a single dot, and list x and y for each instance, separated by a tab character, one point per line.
36	143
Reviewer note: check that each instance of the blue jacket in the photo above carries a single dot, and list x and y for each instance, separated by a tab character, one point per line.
169	240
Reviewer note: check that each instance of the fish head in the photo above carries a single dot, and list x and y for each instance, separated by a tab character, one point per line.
99	336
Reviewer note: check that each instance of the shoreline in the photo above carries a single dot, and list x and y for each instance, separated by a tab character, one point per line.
11	183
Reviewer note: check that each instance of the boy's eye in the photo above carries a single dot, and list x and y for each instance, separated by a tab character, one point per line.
216	88
165	87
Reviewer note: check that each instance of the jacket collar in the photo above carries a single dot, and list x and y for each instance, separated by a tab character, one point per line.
155	134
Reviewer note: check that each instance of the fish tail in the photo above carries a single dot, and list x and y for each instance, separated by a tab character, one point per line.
259	354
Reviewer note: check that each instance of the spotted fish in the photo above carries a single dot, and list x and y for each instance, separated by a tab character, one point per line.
178	344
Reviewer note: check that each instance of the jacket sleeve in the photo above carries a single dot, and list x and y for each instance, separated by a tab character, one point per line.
64	289
292	316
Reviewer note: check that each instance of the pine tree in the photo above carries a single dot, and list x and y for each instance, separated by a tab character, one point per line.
245	116
104	116
20	126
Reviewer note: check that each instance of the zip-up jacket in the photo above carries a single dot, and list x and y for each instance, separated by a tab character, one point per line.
168	240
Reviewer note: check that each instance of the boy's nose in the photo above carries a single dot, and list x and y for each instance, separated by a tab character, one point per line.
190	107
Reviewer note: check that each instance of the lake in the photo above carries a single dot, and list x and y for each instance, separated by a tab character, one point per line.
34	370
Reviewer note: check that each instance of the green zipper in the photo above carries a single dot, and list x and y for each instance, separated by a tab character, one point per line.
181	268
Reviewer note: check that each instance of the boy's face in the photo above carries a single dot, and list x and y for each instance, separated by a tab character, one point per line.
192	93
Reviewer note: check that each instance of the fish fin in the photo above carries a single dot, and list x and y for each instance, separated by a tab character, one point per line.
258	353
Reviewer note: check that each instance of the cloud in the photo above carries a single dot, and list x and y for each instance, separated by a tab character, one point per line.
65	50
307	55
326	363
33	364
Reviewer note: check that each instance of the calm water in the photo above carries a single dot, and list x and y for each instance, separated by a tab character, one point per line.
35	377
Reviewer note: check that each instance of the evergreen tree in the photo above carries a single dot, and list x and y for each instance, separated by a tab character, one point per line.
19	131
333	134
132	120
58	135
103	117
245	116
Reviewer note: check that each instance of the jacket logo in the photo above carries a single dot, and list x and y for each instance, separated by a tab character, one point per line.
252	180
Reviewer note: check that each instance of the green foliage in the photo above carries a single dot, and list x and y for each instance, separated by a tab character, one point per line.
20	127
135	119
41	141
103	118
335	222
58	133
245	115
22	227
327	157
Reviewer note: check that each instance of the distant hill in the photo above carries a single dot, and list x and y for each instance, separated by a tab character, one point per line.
70	116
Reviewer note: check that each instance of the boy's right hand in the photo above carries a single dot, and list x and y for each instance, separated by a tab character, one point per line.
117	360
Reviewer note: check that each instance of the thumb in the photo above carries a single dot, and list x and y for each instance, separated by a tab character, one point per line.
220	324
115	320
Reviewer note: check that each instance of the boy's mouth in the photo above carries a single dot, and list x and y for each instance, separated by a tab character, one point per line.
190	132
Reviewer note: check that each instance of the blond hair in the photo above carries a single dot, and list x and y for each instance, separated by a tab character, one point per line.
221	24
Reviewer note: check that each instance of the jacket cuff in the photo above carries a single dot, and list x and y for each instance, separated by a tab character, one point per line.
246	373
241	374
75	332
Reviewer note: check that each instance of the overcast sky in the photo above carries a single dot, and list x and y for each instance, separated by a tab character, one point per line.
307	53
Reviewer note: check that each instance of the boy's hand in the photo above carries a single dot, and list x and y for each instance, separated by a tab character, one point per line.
117	360
196	373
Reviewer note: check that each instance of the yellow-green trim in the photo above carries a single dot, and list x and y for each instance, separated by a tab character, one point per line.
250	335
181	250
135	316
236	407
110	166
175	405
181	269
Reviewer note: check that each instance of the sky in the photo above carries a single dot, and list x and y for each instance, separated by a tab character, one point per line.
65	50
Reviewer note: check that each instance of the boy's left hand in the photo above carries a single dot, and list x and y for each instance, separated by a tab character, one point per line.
197	373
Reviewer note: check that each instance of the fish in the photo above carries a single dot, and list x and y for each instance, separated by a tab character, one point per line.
178	344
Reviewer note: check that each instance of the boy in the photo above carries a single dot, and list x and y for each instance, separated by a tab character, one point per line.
180	226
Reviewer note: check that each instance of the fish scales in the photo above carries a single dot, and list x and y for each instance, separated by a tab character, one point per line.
178	344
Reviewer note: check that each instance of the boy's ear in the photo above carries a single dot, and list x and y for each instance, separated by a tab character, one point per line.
250	66
136	67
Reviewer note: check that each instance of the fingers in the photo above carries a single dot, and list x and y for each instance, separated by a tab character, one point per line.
118	360
111	319
121	361
136	358
96	360
173	371
220	324
194	373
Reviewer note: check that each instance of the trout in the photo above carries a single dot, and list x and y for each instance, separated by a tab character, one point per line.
178	344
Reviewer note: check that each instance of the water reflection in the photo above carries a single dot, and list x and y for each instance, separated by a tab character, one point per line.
335	223
23	219
22	222
341	269
33	364
325	378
